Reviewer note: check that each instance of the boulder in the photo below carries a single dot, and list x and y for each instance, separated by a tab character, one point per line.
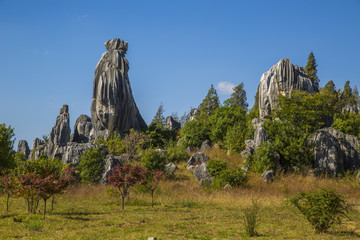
201	173
171	124
335	151
205	146
113	107
249	148
170	168
193	113
60	133
282	78
268	176
198	158
82	129
23	147
110	163
260	136
350	108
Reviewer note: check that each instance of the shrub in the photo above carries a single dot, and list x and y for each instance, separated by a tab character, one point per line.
91	165
115	144
265	158
153	160
250	219
322	208
176	153
134	142
216	167
196	132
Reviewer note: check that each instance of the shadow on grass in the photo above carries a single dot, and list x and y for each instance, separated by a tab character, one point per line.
76	213
344	234
7	216
77	218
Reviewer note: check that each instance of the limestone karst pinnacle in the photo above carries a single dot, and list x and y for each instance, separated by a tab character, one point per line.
113	107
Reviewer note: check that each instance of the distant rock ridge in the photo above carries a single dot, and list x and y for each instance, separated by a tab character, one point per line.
113	107
281	79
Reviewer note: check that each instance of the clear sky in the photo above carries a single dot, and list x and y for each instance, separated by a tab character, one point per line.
177	49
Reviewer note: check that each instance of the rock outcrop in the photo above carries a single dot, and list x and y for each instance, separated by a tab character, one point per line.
268	176
205	146
113	107
350	108
202	175
198	158
110	163
170	168
193	113
172	124
23	147
60	133
260	136
37	148
71	153
82	129
281	79
335	151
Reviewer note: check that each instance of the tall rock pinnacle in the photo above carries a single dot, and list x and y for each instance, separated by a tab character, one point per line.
113	107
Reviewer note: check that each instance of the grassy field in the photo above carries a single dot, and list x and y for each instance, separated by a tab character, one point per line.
183	210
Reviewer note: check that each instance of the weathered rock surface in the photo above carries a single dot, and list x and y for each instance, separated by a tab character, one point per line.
23	147
257	122
201	172
350	108
37	148
282	78
205	146
82	129
268	176
172	124
198	158
170	168
249	148
71	153
110	163
193	113
260	136
113	107
60	133
335	151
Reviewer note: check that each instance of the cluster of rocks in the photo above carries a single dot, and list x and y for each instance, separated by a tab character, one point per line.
198	162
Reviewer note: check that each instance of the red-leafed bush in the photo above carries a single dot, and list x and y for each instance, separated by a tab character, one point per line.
124	177
10	185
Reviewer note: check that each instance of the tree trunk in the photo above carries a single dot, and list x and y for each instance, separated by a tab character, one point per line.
122	202
152	198
52	202
44	208
7	202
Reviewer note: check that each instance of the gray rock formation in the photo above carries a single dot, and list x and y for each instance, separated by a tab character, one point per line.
110	163
198	158
82	129
60	133
350	108
268	176
171	124
170	168
201	172
260	136
257	122
23	147
205	146
282	78
37	148
113	107
335	151
193	113
71	153
249	148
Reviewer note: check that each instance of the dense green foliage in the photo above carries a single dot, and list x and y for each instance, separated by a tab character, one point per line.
176	153
322	208
158	136
348	123
43	166
238	97
159	118
153	160
210	103
195	132
265	158
6	147
115	144
91	165
310	69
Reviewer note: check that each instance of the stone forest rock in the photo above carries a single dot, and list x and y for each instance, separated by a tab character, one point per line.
198	158
60	133
193	113
201	172
249	149
350	108
282	78
170	168
82	129
205	146
110	163
171	124
335	151
260	136
268	176
23	147
71	153
37	148
113	107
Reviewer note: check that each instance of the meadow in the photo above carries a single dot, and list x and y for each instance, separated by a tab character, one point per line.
183	210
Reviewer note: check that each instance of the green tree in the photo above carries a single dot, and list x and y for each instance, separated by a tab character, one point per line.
91	165
238	97
210	103
310	69
159	118
153	160
348	123
6	147
329	88
195	132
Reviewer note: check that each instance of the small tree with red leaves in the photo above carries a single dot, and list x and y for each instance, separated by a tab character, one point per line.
153	179
10	185
124	177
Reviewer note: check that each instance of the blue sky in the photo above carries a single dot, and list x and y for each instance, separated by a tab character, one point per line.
177	49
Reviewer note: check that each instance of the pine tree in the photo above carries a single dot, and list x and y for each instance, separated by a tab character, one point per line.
329	88
310	69
210	102
159	118
238	97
